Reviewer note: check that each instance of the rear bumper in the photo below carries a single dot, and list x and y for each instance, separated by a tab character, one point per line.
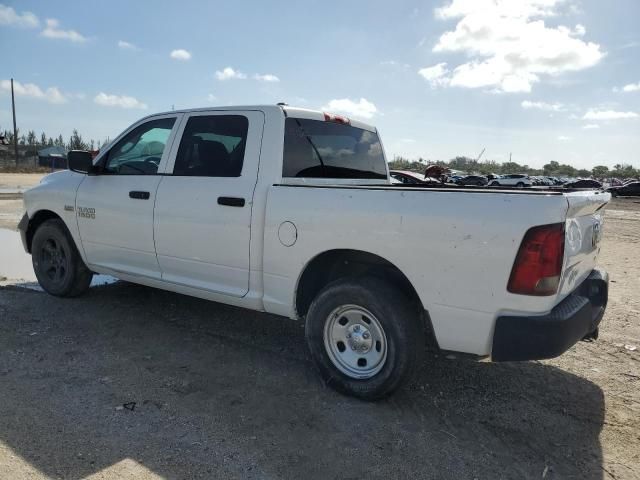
547	336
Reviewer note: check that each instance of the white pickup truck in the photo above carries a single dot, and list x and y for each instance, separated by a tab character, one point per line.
291	211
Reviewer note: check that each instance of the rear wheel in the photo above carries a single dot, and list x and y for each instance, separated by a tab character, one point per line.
365	336
520	185
494	184
56	262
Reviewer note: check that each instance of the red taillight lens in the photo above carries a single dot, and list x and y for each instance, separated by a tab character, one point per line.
538	265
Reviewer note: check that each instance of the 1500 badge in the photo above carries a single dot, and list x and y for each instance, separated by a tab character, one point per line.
86	212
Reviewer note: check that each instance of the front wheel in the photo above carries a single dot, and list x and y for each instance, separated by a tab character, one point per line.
365	336
520	185
56	262
494	184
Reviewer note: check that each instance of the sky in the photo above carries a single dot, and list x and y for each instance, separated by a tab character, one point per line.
540	80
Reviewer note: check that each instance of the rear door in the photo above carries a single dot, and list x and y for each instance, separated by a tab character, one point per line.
203	206
115	208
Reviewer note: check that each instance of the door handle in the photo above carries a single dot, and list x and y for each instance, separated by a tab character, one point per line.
231	201
139	195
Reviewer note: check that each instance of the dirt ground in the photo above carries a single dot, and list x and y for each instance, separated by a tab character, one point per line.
132	382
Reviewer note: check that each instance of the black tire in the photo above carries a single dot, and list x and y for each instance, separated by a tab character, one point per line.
520	185
494	184
56	262
401	322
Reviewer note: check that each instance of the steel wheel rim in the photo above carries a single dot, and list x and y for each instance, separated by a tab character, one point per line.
355	341
53	261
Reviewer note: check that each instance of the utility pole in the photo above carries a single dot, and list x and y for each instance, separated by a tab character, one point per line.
15	130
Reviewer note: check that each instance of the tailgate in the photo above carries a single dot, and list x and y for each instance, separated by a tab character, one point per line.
585	213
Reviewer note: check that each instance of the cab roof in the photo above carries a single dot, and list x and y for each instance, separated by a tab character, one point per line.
289	111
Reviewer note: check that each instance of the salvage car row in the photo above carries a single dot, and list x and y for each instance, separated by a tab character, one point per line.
616	188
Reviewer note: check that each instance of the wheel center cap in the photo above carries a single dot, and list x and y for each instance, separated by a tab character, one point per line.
359	338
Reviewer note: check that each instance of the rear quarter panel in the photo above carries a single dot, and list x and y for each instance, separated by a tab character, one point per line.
457	249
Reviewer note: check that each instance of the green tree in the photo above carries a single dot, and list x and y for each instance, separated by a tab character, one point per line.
600	171
551	168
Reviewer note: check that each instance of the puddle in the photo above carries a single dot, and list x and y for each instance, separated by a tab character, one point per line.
12	191
16	268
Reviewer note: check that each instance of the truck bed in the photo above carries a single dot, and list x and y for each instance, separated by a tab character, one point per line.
456	250
538	190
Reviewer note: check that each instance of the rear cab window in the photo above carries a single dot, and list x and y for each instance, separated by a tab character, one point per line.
316	149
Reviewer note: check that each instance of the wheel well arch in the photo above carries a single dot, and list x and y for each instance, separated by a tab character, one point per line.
38	219
332	265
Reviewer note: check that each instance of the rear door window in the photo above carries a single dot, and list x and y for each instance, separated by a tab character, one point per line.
212	146
321	149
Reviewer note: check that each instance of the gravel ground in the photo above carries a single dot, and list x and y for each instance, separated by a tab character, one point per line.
132	382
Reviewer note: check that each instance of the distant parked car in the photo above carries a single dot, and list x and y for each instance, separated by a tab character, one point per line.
555	180
514	180
407	177
584	183
627	190
542	181
473	180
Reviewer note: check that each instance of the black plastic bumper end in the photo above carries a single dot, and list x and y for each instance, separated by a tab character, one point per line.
535	338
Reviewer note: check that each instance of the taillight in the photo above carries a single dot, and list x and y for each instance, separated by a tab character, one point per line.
538	265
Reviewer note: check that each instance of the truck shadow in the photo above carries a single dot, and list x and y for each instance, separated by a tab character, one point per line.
186	388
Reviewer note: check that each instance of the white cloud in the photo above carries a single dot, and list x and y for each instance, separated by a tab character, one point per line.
52	31
631	87
363	108
509	45
8	16
563	138
267	77
51	94
436	75
180	54
122	101
591	126
548	107
212	98
126	45
229	73
594	114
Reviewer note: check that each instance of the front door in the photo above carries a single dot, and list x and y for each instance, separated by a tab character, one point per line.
204	202
115	207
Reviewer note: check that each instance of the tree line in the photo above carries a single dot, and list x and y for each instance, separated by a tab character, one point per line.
74	142
485	167
464	164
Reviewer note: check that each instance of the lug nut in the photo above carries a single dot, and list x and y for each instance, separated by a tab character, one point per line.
366	335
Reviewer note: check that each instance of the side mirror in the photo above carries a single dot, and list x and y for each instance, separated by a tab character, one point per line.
80	161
